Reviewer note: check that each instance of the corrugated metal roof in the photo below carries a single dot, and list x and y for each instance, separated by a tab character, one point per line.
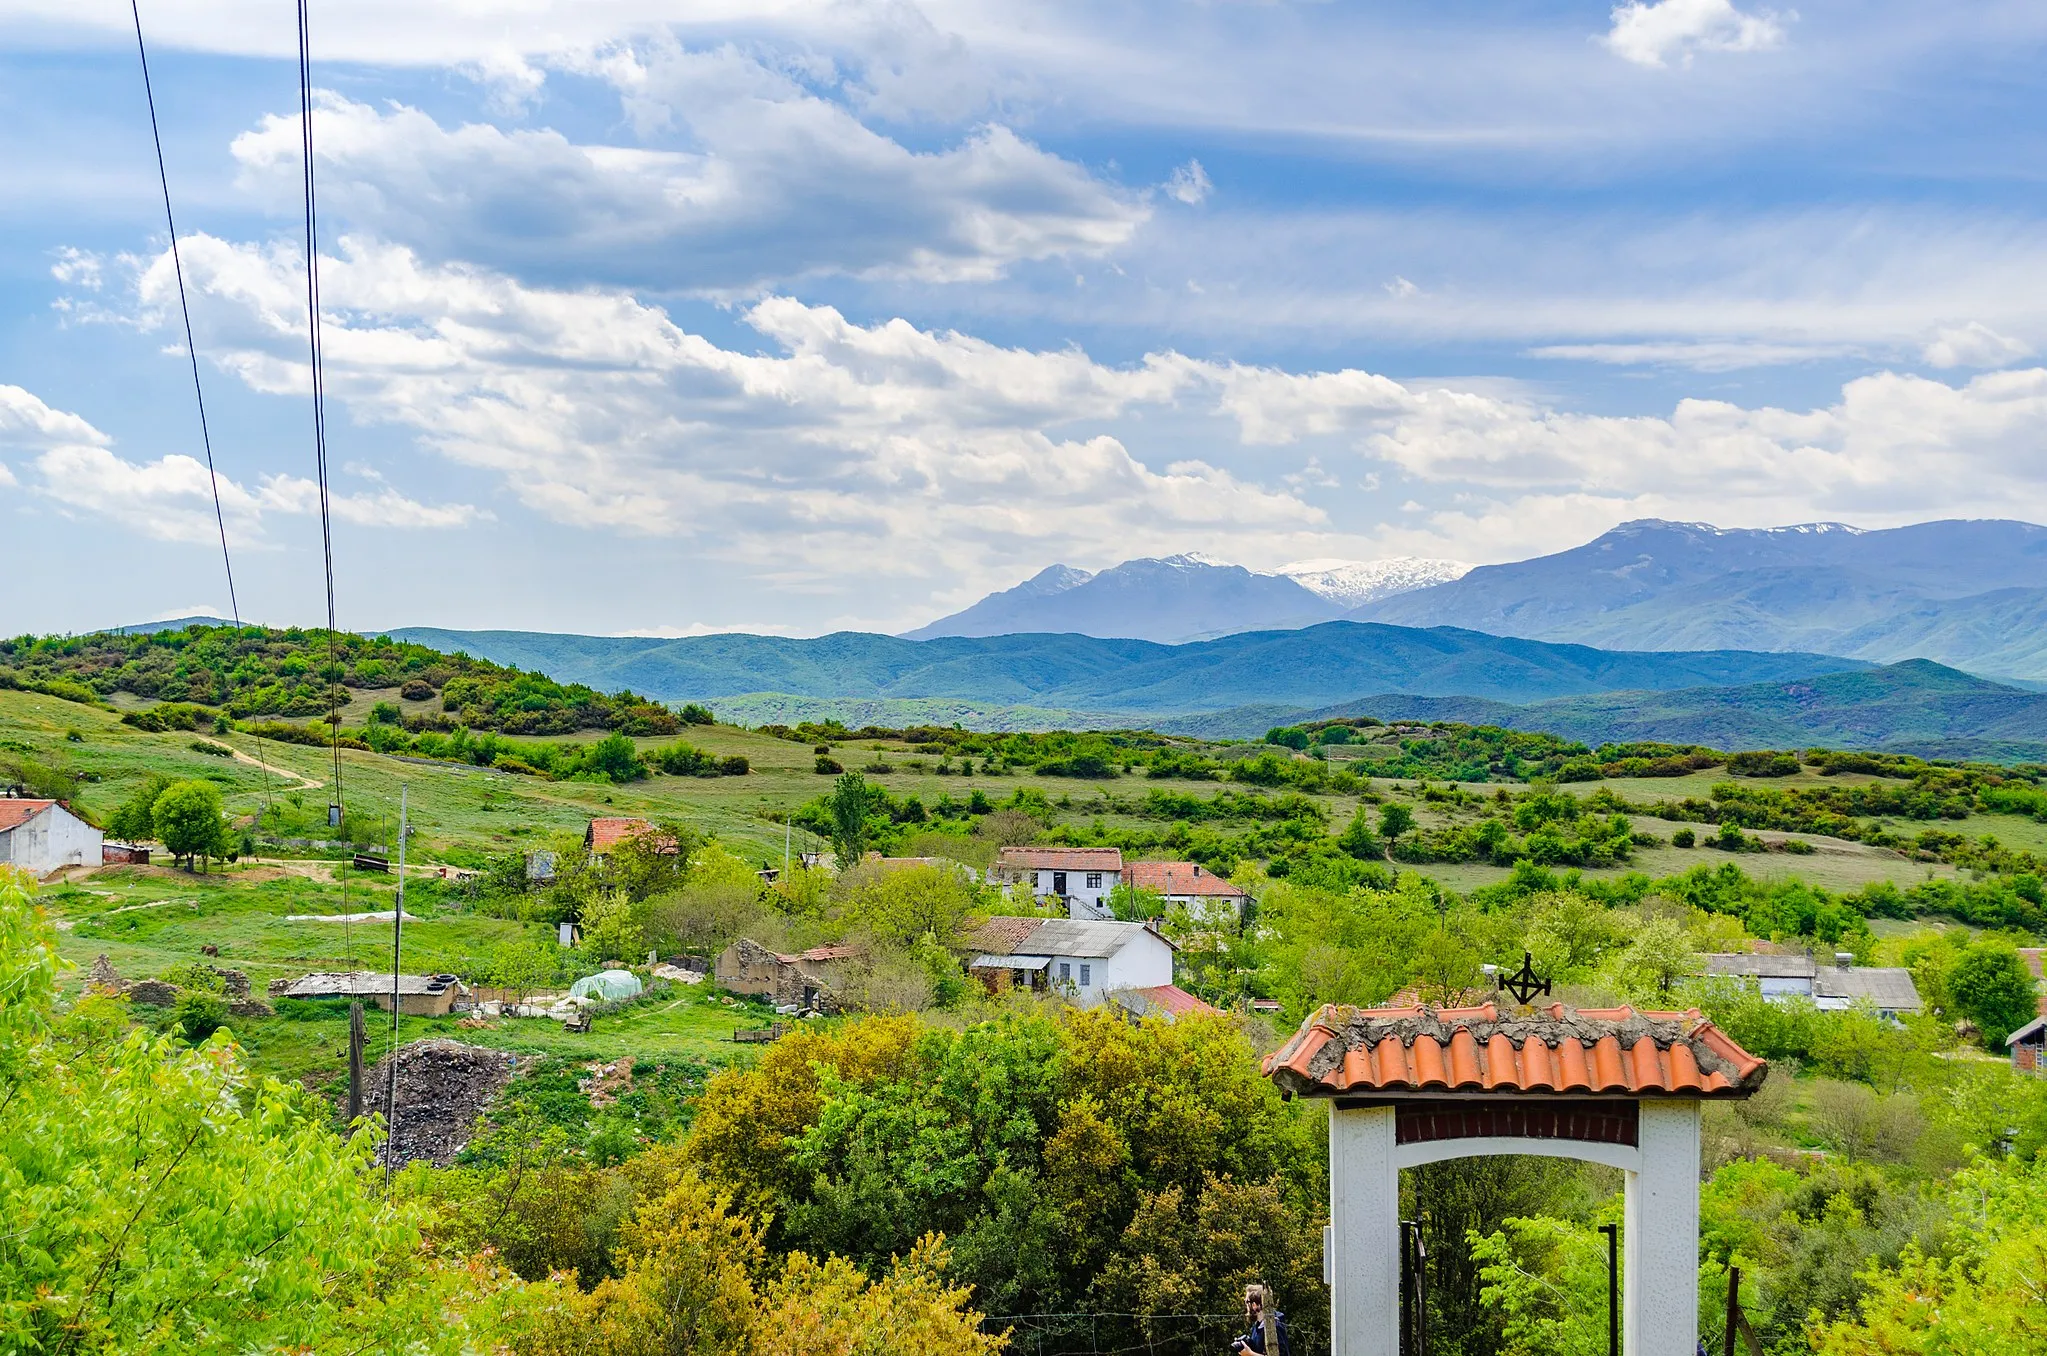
364	984
1396	1051
1888	988
1075	938
1759	967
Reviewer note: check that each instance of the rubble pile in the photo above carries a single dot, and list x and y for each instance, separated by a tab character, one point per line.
443	1086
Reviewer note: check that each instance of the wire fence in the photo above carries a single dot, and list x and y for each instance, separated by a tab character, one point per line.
1117	1334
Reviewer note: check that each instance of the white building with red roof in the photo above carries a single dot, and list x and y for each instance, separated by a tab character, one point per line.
41	836
1080	878
1202	892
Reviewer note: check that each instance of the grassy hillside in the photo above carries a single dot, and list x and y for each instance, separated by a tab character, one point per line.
258	671
1913	707
1312	667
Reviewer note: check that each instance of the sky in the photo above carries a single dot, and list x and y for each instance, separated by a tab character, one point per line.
791	317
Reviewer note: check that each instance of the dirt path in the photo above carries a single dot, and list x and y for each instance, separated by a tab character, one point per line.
303	783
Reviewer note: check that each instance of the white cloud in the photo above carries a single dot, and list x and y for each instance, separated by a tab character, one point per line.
1974	345
1189	184
880	448
1400	288
780	184
1699	355
1650	34
171	498
78	268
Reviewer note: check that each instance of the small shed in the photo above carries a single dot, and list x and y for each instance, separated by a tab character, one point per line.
418	995
2028	1046
123	854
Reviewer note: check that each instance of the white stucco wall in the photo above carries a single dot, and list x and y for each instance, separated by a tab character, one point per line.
1143	962
51	839
1077	886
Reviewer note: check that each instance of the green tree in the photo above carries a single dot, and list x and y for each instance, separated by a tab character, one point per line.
160	1198
135	820
1359	840
1992	987
1394	820
615	756
188	821
852	800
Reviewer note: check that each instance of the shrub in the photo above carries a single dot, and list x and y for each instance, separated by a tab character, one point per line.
694	713
1683	838
416	690
827	767
1763	763
199	1014
385	713
1287	736
207	746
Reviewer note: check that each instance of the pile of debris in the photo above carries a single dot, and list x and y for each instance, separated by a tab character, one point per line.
159	993
443	1087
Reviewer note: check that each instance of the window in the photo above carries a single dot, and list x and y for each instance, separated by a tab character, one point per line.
1065	971
1084	969
1094	880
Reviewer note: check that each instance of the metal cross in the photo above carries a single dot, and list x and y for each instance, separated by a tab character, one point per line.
1526	984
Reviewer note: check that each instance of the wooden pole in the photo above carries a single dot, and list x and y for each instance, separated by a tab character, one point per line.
1733	1306
397	944
357	1037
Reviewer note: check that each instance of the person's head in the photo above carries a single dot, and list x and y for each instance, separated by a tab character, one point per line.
1254	1300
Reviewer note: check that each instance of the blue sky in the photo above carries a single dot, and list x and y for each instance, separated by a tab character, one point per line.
660	317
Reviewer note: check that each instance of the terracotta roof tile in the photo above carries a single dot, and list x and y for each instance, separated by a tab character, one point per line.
1059	859
1179	878
1167	1000
1406	1050
606	834
17	812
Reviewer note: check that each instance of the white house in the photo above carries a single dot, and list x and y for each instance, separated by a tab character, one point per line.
39	836
1835	987
1085	959
1203	893
1081	878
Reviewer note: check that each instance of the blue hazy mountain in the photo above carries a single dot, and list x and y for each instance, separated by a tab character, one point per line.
1308	667
1970	594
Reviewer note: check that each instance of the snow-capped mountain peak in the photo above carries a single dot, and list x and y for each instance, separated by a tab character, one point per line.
1353	583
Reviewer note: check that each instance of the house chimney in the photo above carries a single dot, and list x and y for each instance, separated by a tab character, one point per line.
1844	959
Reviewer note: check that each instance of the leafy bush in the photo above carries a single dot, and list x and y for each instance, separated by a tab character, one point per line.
416	690
1763	763
1683	838
208	747
199	1014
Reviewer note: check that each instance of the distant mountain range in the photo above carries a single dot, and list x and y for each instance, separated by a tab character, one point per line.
1172	599
1970	594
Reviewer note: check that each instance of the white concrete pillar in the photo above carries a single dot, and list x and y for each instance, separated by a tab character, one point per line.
1660	1264
1363	1267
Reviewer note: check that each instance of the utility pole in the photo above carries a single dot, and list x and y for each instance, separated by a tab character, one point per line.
397	943
357	1037
785	846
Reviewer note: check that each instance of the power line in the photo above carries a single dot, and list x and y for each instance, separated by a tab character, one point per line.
191	349
337	817
318	355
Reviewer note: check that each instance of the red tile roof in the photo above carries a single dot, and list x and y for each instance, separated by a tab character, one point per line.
1059	859
1170	1000
1002	935
1401	1051
17	812
1179	878
824	953
606	834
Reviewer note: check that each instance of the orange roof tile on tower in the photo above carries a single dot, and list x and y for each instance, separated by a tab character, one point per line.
1405	1051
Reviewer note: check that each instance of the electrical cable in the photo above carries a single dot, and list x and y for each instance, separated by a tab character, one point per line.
337	816
192	352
